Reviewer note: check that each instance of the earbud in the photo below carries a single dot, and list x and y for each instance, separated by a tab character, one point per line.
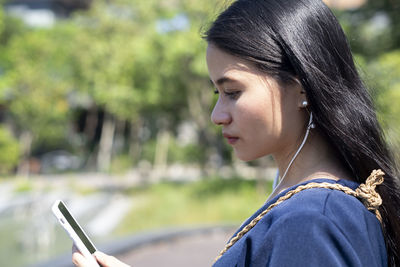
304	104
311	124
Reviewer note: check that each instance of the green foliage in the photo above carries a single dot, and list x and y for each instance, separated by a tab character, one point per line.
35	84
145	61
23	186
214	186
121	163
214	200
104	71
177	153
190	153
149	150
374	28
386	83
118	58
9	151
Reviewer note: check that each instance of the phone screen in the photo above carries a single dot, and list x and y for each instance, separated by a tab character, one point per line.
76	228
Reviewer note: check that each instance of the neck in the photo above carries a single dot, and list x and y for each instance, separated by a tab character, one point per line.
316	160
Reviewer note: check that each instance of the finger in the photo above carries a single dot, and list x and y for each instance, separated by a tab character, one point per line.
75	258
108	261
78	259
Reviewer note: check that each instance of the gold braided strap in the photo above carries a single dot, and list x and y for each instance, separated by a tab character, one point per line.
365	192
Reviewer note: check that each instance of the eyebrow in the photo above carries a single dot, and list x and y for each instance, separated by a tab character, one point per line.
223	80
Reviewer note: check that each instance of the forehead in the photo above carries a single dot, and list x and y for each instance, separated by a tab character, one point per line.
221	64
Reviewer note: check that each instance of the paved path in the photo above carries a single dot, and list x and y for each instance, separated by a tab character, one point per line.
181	247
197	250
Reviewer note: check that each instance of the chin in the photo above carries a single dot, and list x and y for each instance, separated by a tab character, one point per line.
248	156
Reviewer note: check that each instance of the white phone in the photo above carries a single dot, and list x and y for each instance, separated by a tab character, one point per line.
75	232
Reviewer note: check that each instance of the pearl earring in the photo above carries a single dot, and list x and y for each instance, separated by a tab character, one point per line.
304	104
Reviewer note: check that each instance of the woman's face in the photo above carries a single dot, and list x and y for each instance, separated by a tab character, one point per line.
258	116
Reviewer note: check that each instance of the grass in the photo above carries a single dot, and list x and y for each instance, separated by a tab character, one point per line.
10	247
210	201
23	186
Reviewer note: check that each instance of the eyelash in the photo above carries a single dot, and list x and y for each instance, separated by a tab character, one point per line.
231	95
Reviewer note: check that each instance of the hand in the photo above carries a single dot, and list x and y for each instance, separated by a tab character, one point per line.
103	259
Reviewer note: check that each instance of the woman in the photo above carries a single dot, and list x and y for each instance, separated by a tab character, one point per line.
288	87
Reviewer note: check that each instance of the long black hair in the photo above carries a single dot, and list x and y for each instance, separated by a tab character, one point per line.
302	39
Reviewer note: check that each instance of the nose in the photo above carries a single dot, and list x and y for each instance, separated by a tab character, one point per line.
220	114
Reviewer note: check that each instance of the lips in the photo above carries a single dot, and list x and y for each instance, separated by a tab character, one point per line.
231	139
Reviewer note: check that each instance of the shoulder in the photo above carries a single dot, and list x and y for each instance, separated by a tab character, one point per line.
324	224
344	211
315	210
312	228
319	201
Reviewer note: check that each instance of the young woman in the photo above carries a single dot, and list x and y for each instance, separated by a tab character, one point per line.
288	87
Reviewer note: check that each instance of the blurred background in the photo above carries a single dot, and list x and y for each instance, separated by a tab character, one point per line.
106	105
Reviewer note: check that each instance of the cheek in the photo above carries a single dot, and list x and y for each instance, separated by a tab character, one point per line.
261	114
261	126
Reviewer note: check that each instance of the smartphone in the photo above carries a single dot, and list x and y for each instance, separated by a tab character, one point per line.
75	232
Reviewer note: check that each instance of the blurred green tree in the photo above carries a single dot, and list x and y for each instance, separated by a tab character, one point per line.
128	72
143	63
36	89
9	149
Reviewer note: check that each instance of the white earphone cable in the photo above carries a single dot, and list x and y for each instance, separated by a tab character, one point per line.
311	125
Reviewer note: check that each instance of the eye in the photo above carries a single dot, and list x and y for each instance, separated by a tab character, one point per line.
233	94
